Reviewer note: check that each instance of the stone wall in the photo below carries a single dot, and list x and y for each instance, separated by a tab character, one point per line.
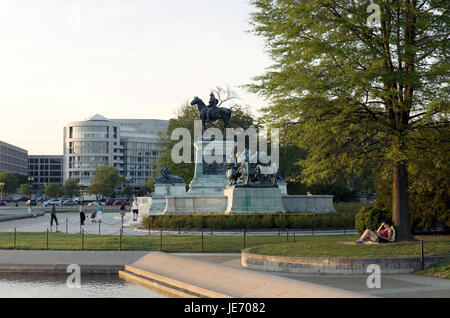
334	265
308	204
195	204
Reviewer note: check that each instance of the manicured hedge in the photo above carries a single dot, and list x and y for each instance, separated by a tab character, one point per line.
251	221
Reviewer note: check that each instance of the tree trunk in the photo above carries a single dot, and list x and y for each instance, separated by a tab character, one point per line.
400	208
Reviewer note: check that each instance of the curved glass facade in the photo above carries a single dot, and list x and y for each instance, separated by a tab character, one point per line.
91	162
80	147
89	132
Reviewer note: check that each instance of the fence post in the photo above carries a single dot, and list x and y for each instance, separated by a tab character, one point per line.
120	239
212	225
312	224
67	228
99	224
422	262
294	236
202	237
279	228
287	235
47	238
160	240
14	238
245	234
82	239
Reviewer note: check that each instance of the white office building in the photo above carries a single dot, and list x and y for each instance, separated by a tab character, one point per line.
130	145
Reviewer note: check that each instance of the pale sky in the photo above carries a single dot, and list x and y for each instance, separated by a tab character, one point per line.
66	60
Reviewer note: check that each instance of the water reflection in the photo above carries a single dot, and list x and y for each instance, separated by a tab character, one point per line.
28	285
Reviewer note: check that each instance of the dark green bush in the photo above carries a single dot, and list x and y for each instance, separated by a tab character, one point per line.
250	221
370	218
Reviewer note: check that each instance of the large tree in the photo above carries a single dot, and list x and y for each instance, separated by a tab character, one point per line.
54	190
11	182
105	181
71	187
352	93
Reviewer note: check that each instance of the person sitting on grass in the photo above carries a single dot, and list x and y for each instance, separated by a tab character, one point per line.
384	234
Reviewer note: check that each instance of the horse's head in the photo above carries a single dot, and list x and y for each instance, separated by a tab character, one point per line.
197	101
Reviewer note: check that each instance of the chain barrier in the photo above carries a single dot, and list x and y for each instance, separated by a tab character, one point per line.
159	233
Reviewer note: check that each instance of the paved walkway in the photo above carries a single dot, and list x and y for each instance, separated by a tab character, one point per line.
189	264
392	286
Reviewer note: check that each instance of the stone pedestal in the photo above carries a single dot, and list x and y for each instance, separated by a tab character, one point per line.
195	204
308	204
210	177
161	191
256	199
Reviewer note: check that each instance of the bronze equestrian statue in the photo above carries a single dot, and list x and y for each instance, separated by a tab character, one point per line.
211	113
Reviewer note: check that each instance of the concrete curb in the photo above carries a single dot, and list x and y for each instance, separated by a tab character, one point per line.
17	216
334	265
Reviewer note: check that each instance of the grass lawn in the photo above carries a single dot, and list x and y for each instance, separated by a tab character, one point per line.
331	246
311	245
171	243
441	270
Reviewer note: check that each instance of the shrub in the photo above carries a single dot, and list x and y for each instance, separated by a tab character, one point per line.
370	218
251	221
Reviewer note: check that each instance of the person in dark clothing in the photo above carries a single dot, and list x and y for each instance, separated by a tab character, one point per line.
53	216
82	215
122	210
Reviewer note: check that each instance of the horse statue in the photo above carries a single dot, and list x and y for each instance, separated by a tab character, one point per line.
211	114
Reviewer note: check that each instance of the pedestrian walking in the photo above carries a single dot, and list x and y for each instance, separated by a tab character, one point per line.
99	212
122	210
135	209
31	212
82	215
53	216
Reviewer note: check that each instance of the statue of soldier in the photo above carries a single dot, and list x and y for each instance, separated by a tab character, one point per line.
212	107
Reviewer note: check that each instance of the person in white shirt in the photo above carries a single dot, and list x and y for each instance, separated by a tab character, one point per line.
135	209
30	212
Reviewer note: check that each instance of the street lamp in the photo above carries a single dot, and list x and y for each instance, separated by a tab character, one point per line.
30	181
81	184
128	179
2	184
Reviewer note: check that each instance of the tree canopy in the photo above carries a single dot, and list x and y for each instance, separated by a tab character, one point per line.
354	95
105	181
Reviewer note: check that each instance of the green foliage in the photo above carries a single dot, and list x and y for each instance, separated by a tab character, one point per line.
25	189
11	182
127	191
353	96
370	218
106	180
54	190
149	186
429	183
71	187
250	221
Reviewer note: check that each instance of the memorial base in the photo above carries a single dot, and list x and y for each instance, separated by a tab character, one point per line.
253	199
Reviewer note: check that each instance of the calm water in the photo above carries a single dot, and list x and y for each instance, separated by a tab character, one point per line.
14	285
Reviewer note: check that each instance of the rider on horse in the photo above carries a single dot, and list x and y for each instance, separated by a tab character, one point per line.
212	107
